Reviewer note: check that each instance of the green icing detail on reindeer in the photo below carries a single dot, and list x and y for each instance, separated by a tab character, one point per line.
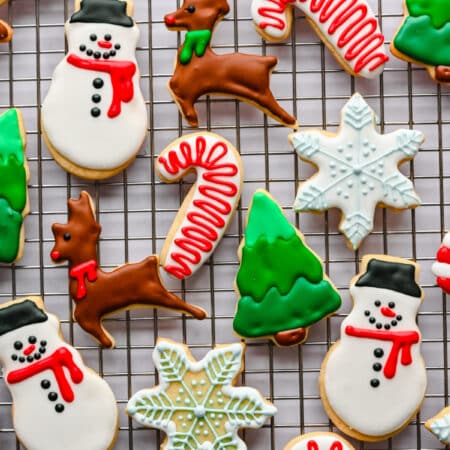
195	41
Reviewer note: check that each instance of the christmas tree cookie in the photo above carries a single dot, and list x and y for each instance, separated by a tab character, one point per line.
14	176
280	282
424	35
197	404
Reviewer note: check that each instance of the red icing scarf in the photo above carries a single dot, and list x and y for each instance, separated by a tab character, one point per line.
121	74
402	341
56	362
78	272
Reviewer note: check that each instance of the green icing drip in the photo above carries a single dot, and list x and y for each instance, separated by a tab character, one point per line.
11	142
280	280
10	226
304	305
13	183
420	41
195	41
437	10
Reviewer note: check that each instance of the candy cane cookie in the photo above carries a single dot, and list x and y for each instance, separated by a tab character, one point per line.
208	207
348	28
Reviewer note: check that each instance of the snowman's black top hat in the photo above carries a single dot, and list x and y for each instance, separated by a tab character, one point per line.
18	315
390	275
113	12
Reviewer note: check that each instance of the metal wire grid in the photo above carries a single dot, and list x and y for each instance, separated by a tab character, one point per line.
136	211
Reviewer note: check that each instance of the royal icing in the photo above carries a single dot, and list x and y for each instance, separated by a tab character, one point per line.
58	403
348	27
94	115
97	293
358	169
280	280
196	403
439	425
377	358
424	35
6	31
200	71
319	441
207	210
13	185
441	268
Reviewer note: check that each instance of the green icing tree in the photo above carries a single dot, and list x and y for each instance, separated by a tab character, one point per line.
424	36
280	280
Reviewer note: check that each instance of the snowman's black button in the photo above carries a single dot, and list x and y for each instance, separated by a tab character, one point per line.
95	112
387	326
399	317
374	383
106	55
377	303
394	323
32	340
43	343
45	384
37	356
96	98
82	48
53	396
59	408
90	52
97	55
18	345
30	358
379	325
22	359
14	357
372	320
367	313
378	352
98	83
42	350
377	367
117	47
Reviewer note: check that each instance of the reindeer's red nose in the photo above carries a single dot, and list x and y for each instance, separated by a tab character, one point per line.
170	19
55	255
104	44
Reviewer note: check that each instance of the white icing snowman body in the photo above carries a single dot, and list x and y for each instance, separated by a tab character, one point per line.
76	116
43	418
375	386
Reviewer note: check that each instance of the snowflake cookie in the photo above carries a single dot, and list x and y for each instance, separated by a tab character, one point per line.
439	425
358	169
196	404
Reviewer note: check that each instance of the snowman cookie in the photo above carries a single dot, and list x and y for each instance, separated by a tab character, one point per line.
94	117
441	268
373	380
58	402
319	441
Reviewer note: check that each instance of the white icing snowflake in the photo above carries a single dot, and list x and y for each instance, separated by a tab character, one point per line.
440	426
358	169
196	404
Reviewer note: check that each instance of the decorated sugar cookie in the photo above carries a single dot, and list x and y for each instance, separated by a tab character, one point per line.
97	293
197	404
441	268
439	425
14	175
319	441
200	71
373	380
6	32
423	36
94	117
349	29
357	170
208	207
58	402
280	282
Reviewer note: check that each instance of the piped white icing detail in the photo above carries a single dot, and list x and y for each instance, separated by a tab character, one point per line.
441	269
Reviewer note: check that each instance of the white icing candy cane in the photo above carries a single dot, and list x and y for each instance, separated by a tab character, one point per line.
441	268
210	204
58	402
349	28
319	441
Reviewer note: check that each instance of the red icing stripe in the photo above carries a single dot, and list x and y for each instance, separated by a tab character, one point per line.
212	208
443	255
444	284
350	17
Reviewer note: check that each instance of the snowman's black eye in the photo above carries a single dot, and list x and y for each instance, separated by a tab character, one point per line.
391	305
93	37
377	303
108	37
67	236
18	345
190	9
32	340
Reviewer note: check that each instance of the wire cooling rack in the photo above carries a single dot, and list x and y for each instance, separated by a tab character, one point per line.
136	210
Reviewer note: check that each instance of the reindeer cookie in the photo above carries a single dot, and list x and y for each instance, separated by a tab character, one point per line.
6	31
349	29
94	118
319	441
208	207
97	293
200	71
58	402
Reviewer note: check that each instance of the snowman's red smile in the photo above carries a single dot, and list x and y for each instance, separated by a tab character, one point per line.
387	312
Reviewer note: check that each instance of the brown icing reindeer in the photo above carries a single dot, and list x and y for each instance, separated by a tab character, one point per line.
97	293
199	71
6	31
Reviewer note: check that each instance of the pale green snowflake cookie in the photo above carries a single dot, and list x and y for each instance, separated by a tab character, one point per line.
196	404
358	169
439	425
